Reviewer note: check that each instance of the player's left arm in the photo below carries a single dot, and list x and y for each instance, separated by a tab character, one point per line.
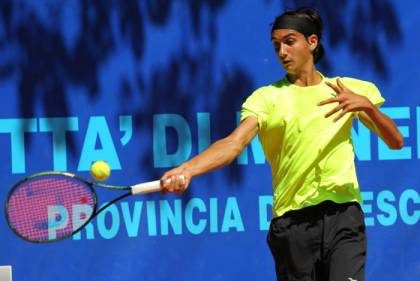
371	117
383	126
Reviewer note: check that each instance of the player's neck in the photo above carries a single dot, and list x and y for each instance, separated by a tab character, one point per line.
305	77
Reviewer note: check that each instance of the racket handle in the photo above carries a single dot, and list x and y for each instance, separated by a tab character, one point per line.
151	186
147	187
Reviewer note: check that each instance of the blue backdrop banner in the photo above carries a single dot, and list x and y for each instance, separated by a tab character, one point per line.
145	85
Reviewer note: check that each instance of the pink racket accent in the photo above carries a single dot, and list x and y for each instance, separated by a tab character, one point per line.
50	207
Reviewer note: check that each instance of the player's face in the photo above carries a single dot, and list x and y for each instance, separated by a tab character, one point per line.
293	49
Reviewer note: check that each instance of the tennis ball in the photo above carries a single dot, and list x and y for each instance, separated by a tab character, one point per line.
100	170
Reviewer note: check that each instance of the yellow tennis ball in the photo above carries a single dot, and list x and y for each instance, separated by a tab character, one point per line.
100	170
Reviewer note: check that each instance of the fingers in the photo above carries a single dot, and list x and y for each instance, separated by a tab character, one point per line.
344	97
330	100
182	185
174	183
334	87
177	184
340	84
344	107
336	109
342	113
339	89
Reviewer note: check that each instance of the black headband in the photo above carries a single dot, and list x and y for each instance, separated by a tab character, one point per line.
302	25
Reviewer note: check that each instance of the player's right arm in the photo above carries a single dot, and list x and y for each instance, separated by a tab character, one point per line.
218	155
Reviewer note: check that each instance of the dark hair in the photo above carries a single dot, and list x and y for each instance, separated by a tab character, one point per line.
313	16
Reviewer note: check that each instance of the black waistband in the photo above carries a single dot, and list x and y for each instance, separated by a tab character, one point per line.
318	211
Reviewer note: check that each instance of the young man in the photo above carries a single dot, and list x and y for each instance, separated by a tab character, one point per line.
304	124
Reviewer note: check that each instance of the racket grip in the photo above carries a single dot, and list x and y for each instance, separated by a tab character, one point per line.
151	186
147	187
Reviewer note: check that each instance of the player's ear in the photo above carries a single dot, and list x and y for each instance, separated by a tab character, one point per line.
313	41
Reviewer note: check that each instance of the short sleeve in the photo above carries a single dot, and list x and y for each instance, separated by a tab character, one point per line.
256	105
374	95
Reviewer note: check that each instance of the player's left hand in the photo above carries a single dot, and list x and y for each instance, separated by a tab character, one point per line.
348	101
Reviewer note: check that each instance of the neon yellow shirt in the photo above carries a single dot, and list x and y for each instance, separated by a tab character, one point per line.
311	157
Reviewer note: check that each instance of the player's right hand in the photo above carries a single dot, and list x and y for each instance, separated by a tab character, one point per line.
176	180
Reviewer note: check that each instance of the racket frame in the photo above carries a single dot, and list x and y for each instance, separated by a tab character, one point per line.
95	210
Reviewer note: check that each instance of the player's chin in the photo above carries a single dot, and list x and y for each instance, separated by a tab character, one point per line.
289	68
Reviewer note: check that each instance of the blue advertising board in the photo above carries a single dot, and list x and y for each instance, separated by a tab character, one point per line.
146	85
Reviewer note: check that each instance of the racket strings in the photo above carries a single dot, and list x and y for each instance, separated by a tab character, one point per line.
45	208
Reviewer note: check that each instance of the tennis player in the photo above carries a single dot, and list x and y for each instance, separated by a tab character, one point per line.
304	124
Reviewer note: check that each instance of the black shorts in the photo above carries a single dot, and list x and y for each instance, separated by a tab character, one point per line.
326	242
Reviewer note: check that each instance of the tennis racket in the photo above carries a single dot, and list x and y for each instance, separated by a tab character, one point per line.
52	206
